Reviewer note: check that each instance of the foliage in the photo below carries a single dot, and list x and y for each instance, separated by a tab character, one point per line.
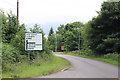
98	37
55	40
47	67
70	41
12	39
51	31
103	59
52	41
68	36
73	25
113	56
0	28
59	41
19	40
9	27
104	32
46	50
13	48
36	29
61	30
9	55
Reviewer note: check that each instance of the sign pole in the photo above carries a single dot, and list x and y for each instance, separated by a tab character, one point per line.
38	59
28	58
33	41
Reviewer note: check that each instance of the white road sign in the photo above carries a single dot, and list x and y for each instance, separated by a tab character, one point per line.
33	41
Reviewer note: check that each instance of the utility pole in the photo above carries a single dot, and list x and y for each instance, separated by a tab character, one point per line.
79	43
17	11
79	40
56	42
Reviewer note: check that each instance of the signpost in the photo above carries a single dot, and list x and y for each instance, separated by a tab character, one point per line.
33	41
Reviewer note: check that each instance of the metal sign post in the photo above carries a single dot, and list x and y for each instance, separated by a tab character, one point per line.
29	58
33	41
38	59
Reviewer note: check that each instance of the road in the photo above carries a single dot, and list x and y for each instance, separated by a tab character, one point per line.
85	68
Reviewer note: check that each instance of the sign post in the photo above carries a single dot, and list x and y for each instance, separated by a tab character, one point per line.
29	58
33	41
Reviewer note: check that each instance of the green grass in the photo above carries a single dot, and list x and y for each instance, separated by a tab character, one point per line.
110	61
22	70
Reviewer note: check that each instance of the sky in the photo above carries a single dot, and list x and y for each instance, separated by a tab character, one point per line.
52	13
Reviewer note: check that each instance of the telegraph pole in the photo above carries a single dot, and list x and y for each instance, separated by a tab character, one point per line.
79	40
79	43
56	42
17	10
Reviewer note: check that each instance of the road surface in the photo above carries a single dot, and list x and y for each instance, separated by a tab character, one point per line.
85	68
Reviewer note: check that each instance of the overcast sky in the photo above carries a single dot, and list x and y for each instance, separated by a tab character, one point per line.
52	13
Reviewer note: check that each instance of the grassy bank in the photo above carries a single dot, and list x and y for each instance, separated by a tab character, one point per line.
23	70
110	61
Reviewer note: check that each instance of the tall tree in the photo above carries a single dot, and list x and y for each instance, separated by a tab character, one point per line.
36	29
9	27
19	40
51	41
70	26
51	31
69	35
104	32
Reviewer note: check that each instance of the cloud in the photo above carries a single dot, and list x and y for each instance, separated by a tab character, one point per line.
54	12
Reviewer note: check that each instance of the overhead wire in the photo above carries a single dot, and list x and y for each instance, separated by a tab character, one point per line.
4	1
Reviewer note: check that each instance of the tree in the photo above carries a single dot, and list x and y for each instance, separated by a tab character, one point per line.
69	35
104	32
51	31
9	27
19	40
12	39
61	30
37	29
51	41
70	41
46	51
73	25
13	43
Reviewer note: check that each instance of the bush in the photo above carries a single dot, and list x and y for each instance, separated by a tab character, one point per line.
10	55
87	52
112	45
113	56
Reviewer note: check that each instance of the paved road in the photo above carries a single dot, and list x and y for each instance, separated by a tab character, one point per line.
85	68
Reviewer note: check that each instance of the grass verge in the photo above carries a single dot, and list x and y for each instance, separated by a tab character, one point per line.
110	61
23	70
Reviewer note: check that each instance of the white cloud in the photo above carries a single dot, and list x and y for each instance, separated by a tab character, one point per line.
54	11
